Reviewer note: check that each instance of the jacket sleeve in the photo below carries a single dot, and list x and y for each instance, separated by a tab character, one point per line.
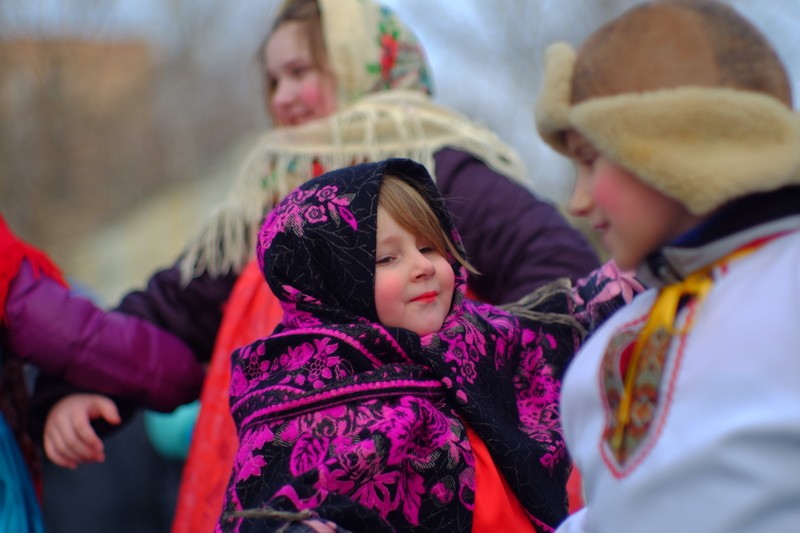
108	352
191	312
515	240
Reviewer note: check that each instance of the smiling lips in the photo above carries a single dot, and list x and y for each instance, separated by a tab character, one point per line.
427	297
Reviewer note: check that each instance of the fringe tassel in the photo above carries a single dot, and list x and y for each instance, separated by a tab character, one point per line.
381	126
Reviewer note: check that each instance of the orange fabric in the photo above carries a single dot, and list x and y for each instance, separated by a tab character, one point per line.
496	505
252	312
575	491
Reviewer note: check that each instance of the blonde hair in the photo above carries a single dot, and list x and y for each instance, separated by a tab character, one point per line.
307	14
407	206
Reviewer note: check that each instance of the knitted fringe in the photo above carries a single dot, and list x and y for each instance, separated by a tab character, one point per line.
385	125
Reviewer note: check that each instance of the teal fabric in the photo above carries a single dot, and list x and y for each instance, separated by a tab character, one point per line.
171	433
19	507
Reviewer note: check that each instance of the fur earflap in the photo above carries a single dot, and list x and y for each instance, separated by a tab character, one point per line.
553	105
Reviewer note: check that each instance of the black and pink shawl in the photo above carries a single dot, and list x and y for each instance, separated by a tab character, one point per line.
365	426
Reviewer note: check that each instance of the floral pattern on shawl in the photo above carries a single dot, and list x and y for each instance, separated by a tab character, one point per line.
387	56
364	425
402	61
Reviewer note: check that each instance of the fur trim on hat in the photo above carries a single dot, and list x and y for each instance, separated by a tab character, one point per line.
701	146
552	107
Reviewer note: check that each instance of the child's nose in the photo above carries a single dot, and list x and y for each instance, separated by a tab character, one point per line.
580	202
283	94
423	266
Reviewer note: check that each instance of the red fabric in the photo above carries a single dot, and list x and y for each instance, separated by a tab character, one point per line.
13	401
252	312
495	502
12	252
575	491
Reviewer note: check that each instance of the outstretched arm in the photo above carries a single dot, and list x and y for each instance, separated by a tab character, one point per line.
107	352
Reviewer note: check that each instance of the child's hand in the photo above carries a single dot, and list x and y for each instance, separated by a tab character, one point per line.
69	438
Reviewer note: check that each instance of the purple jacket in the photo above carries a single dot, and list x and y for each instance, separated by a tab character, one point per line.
67	336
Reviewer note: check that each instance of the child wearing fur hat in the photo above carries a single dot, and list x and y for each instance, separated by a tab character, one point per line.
385	400
682	411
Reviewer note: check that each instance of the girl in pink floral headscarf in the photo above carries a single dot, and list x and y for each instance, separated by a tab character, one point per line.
385	400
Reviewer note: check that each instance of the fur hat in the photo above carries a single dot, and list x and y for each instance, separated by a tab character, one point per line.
686	94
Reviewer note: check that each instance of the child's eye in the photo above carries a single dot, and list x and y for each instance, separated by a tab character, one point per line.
384	260
427	250
298	72
586	157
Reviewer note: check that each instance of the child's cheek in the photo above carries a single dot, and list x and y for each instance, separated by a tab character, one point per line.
604	191
315	97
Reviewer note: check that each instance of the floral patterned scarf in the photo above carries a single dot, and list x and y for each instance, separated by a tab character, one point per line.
343	418
384	110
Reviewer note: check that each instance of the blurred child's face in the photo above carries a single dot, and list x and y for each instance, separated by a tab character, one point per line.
413	282
300	89
634	218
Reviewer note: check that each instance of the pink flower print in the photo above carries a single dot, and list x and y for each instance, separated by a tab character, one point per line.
296	296
457	351
251	466
474	337
289	492
362	477
415	430
468	371
299	196
442	492
315	214
277	222
466	492
328	194
238	382
331	423
321	368
296	357
308	452
348	217
410	489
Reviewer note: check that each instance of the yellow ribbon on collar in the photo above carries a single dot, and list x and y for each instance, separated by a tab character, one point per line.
662	317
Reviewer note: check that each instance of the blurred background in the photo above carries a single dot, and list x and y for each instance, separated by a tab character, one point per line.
123	121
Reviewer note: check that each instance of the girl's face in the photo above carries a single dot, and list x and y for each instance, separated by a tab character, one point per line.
413	282
634	218
300	89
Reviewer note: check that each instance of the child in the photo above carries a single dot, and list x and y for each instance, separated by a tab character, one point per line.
682	411
345	81
45	324
385	400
